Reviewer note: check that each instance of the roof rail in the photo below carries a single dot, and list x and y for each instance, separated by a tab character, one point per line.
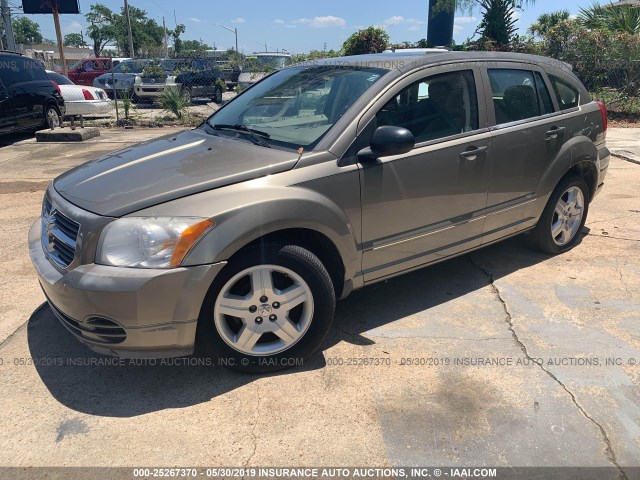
12	52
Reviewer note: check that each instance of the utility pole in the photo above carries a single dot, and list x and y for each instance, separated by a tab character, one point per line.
166	43
8	30
232	30
56	22
126	12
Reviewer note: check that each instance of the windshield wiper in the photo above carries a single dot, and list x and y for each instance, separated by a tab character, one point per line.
256	135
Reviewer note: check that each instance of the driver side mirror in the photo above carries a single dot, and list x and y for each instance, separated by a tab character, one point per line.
387	141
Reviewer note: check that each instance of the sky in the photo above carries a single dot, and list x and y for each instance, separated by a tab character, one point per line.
295	25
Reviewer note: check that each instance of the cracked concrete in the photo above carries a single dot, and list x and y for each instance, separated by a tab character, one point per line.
432	368
509	319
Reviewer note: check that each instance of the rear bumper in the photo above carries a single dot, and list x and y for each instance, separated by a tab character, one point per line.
603	164
126	312
89	108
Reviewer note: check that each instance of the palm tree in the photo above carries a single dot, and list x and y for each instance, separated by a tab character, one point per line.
613	18
547	21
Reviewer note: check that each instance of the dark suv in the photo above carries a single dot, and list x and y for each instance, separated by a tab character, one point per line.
202	80
29	100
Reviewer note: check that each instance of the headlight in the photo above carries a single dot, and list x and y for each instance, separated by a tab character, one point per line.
150	242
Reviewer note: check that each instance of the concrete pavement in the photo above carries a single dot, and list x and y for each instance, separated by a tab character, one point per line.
504	357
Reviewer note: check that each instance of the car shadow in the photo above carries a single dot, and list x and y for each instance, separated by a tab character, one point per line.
13	138
91	383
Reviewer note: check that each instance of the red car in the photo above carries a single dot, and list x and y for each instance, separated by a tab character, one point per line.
85	71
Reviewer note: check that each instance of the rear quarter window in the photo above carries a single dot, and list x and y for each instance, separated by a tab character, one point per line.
20	70
566	94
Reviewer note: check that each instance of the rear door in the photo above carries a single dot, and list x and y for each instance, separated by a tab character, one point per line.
527	134
428	204
7	111
26	93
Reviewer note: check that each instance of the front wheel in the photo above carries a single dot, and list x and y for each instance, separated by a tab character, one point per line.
269	309
559	227
217	95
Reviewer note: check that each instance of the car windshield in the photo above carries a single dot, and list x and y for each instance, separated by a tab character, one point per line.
130	67
59	79
173	65
268	63
296	107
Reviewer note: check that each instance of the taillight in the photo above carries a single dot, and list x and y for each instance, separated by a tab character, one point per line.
603	112
87	95
57	87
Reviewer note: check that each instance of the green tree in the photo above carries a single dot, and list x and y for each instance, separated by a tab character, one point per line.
101	28
177	42
148	36
547	21
194	45
25	31
368	40
74	40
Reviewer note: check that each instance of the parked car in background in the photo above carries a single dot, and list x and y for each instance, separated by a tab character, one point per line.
85	71
202	79
156	77
196	77
239	235
259	65
29	100
121	78
81	100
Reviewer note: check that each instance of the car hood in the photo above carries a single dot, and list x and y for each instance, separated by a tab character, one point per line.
167	168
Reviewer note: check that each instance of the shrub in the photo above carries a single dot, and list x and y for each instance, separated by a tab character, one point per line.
173	100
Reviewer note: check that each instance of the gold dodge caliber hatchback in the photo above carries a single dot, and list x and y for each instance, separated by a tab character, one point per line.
239	236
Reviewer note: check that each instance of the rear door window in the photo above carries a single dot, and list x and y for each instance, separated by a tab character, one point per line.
514	95
19	70
567	95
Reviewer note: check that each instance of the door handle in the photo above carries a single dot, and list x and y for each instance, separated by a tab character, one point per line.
472	153
554	132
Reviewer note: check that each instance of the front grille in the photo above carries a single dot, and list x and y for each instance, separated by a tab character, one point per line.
95	329
59	235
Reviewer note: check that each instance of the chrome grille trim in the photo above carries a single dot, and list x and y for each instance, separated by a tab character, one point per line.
59	235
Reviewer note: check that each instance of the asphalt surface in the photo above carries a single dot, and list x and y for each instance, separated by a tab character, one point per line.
504	357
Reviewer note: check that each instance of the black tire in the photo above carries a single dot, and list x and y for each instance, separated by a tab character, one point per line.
541	237
51	111
305	264
217	95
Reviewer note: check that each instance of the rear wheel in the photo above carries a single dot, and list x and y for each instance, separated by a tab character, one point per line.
562	220
51	117
186	94
269	309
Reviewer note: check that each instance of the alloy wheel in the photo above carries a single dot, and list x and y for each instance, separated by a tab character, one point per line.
263	310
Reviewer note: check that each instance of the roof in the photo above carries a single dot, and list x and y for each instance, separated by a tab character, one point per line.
413	61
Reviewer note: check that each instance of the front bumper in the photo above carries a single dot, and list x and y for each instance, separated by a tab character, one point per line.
127	312
152	90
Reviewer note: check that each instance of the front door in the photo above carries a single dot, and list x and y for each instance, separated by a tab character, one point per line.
428	204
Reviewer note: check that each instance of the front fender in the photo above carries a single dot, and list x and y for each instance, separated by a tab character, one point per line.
276	209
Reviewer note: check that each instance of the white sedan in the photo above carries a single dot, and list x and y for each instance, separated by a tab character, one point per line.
80	99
